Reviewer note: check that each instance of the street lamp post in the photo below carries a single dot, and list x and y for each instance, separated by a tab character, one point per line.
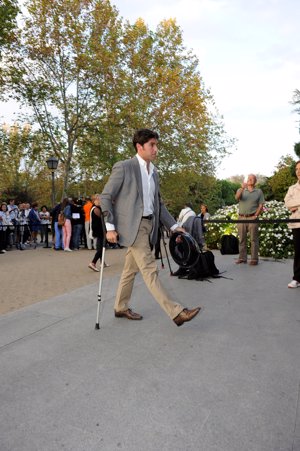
52	164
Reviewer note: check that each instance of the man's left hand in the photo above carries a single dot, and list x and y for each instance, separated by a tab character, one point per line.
179	229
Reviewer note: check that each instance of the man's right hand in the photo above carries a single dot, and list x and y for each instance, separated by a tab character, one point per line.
112	236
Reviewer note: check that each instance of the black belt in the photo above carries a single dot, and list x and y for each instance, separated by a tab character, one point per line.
247	216
149	217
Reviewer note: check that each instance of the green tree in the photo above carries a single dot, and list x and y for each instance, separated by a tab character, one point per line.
8	14
53	68
297	149
167	93
226	192
187	186
91	80
23	170
277	185
158	86
14	145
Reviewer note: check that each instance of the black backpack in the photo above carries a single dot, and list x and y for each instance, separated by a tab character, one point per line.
229	245
205	267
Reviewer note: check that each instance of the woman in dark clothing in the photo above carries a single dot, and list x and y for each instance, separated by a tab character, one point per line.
97	232
34	221
77	223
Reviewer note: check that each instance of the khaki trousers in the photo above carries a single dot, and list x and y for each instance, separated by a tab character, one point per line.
139	258
243	230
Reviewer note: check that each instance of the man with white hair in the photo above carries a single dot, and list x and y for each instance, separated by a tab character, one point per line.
251	202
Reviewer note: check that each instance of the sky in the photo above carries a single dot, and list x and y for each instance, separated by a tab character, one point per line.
249	57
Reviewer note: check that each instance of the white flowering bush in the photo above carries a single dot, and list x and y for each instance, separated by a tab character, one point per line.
275	240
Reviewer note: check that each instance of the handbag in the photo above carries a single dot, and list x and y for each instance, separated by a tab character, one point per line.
61	219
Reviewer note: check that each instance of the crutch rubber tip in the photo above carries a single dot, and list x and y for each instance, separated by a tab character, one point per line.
97	327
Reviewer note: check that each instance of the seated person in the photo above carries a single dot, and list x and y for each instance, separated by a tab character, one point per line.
185	213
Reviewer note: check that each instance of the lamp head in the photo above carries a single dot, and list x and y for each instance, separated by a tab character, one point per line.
52	163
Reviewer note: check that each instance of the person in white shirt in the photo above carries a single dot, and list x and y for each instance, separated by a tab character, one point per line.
186	212
45	221
4	223
13	210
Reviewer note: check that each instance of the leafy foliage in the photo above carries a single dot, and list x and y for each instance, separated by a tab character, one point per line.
54	68
186	186
23	173
92	79
276	186
14	145
8	13
297	149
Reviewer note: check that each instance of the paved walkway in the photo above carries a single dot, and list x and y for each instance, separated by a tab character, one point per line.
227	381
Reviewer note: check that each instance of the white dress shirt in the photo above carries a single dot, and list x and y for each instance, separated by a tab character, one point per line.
148	186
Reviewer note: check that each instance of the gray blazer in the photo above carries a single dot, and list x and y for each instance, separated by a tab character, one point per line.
122	202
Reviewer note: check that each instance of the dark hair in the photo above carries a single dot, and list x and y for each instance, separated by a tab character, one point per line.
189	204
64	203
78	202
34	204
44	206
142	136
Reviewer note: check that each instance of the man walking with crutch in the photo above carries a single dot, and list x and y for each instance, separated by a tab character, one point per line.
131	204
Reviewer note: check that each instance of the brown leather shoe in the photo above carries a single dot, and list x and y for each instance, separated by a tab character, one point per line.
129	314
239	261
253	262
186	315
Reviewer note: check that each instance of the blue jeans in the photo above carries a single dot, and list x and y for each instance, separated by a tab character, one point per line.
76	232
58	236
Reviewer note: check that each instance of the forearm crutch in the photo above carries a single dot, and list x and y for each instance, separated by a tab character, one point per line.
97	326
166	252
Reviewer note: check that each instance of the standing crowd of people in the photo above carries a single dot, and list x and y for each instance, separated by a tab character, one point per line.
71	225
20	224
24	224
77	221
